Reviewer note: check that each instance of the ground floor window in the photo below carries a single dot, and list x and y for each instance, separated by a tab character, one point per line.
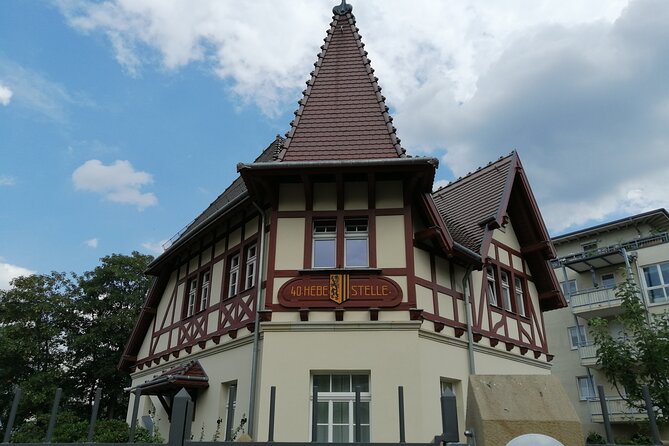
335	419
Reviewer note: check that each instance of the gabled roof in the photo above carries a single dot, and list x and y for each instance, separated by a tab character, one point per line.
469	204
342	114
474	206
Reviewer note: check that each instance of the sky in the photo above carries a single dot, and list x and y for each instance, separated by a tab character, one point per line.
121	120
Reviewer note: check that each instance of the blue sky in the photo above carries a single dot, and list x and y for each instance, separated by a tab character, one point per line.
121	120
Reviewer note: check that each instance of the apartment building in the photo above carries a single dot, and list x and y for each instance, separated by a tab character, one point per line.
590	263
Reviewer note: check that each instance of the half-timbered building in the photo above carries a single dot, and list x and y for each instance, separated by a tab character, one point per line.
331	262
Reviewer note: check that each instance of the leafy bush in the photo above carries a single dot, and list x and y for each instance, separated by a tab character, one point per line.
594	438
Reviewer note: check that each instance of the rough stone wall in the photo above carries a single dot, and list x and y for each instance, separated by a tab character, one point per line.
503	407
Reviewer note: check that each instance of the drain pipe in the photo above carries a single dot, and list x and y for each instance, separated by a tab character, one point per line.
256	331
468	314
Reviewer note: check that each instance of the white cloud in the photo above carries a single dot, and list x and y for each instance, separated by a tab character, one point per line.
578	88
155	248
5	95
91	243
118	182
9	272
6	180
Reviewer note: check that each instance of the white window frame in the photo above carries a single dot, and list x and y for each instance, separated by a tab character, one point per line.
192	296
505	290
590	383
568	289
663	285
204	291
233	275
353	230
519	293
251	256
612	277
332	397
571	332
322	230
491	286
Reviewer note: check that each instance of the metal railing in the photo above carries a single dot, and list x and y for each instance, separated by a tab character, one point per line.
588	352
594	296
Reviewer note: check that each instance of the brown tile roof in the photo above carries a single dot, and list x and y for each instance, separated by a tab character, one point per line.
468	204
342	114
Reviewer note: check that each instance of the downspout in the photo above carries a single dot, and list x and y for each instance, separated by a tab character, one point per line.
468	314
630	274
256	331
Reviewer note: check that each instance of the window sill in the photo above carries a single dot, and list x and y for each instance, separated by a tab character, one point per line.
351	271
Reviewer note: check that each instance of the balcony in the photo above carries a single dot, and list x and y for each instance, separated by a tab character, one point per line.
588	354
608	255
619	411
595	302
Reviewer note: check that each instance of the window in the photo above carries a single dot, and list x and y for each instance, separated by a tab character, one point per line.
192	296
325	243
506	292
355	243
204	291
586	388
233	275
608	280
492	287
335	420
250	278
657	282
577	337
569	288
520	296
228	404
588	247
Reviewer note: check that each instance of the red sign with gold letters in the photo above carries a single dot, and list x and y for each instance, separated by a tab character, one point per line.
340	290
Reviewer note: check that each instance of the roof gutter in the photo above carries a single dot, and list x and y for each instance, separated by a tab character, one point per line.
339	163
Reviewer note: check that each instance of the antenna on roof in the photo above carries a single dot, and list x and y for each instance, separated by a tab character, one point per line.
343	8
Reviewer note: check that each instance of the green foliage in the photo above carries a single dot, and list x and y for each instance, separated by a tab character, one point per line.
70	428
594	438
639	439
68	331
638	354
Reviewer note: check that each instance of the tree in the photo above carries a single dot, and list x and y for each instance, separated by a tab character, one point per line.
104	314
68	331
33	319
638	354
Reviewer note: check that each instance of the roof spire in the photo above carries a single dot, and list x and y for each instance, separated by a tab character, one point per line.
343	8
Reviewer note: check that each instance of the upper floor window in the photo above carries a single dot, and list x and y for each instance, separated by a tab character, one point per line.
328	242
335	422
657	282
589	247
325	243
569	288
250	278
192	296
520	296
608	280
586	388
204	291
492	286
577	337
506	291
233	275
355	243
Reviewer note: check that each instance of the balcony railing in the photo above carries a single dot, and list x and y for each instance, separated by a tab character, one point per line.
630	245
619	411
593	302
588	354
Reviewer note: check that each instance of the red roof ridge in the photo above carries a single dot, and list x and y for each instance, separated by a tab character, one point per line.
384	145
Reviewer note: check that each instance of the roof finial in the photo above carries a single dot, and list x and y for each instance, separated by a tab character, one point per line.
343	8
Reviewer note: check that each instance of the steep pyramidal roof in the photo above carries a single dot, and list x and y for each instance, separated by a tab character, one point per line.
342	114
